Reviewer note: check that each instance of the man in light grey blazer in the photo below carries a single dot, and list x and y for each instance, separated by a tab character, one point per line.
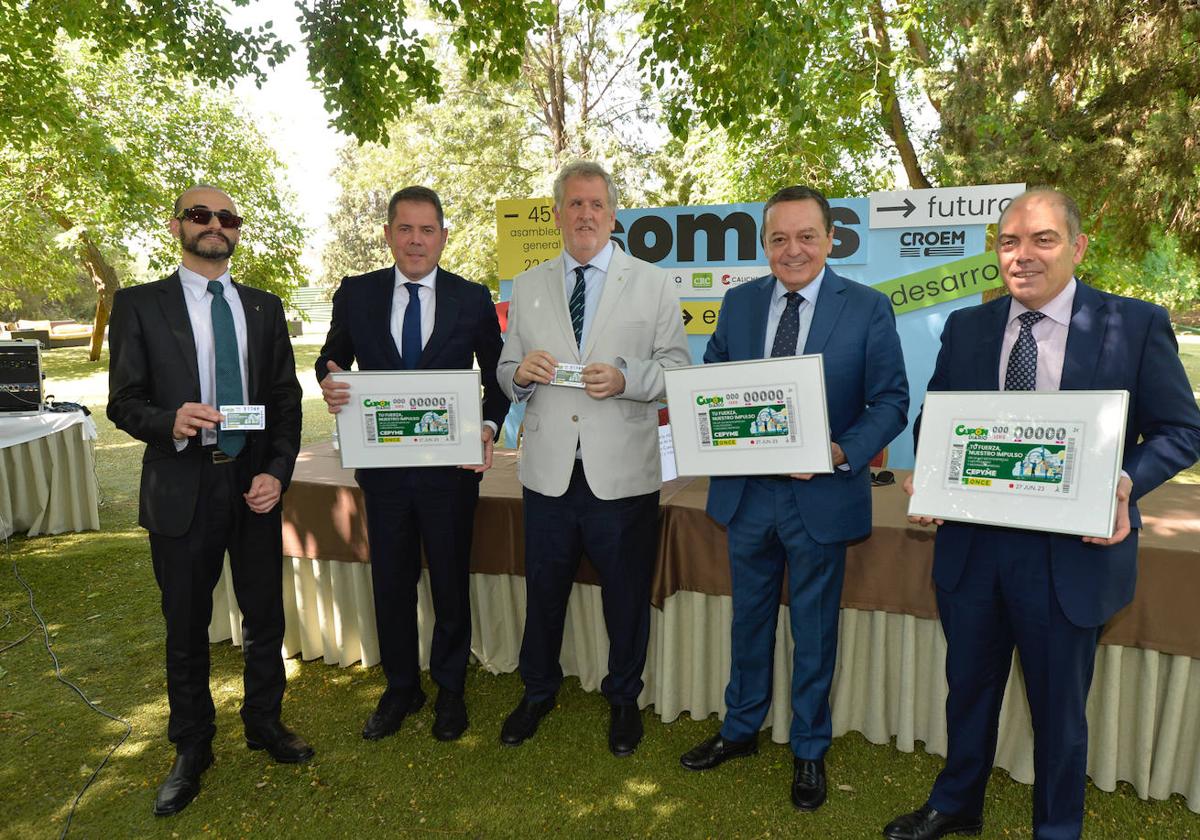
589	461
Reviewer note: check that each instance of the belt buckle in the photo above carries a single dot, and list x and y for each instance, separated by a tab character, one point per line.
219	457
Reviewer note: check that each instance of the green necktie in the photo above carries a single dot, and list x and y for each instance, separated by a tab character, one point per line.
228	368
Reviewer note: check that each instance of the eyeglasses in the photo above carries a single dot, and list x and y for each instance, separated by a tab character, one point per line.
202	216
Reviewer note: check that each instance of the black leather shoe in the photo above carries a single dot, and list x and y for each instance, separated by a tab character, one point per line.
624	729
927	823
808	783
284	745
392	709
450	722
716	750
523	722
183	782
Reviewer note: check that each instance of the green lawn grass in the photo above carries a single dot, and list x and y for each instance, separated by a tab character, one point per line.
97	593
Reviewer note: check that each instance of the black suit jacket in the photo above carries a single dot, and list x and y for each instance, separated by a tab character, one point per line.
465	328
152	371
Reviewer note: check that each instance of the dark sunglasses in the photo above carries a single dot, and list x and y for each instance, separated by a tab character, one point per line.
882	478
202	216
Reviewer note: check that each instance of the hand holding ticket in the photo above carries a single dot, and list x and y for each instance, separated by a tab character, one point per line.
568	374
244	418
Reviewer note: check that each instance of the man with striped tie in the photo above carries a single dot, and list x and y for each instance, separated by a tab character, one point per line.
181	349
1047	595
589	460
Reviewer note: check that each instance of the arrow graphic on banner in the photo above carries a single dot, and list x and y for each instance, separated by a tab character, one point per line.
907	207
687	317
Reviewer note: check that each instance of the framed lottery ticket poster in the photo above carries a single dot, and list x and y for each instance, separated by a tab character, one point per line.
763	417
1043	460
410	418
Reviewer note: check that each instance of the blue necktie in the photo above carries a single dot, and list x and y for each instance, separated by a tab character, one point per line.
787	334
577	299
228	368
1022	359
410	331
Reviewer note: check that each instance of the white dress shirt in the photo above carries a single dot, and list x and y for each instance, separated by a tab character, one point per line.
199	307
400	304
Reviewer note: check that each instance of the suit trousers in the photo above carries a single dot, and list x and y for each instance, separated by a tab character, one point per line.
766	538
187	568
401	521
1006	598
620	537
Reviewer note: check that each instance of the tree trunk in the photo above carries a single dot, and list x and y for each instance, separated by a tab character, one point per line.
104	278
889	104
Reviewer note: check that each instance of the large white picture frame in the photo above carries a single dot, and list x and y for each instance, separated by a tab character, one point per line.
762	417
411	418
1042	460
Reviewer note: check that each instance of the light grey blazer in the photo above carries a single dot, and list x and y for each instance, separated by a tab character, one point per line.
637	324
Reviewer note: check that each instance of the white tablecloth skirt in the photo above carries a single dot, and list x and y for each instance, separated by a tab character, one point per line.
1143	711
48	475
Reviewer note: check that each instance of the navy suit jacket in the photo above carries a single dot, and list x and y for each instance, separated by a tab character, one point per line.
854	329
1113	343
465	328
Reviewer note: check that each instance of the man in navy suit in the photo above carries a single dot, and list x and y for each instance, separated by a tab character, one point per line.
801	523
1047	594
417	315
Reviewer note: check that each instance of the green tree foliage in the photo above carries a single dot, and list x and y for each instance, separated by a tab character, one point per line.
82	196
832	83
469	149
1101	98
189	38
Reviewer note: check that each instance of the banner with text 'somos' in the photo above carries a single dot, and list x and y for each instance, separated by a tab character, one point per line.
924	249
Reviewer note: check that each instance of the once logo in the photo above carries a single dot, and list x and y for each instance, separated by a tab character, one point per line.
370	403
969	432
713	400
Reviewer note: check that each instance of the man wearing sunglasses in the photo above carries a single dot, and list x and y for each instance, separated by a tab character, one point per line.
182	348
415	315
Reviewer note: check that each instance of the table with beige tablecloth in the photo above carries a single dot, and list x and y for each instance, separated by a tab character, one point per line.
48	474
1143	712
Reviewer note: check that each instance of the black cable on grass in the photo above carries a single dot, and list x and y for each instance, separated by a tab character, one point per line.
58	675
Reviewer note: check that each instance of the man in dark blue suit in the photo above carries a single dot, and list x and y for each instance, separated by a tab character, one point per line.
418	316
801	523
1046	594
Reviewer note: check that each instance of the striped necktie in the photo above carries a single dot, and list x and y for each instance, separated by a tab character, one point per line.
577	298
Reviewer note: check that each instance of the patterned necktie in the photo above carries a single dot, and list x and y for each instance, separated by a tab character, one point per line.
577	296
1022	360
228	368
410	330
787	334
